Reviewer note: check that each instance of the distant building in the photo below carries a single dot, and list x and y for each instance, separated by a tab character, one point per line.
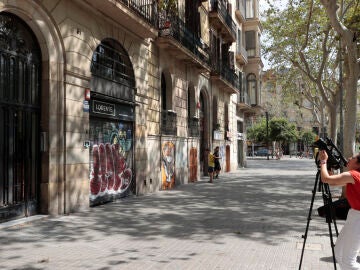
295	112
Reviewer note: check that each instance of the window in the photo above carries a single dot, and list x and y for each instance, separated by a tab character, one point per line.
240	127
252	88
249	9
250	43
239	41
163	93
215	113
110	61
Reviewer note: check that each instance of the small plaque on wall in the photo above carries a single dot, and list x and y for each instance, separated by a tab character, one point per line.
217	135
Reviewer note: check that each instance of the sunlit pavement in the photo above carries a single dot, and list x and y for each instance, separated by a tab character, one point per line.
249	219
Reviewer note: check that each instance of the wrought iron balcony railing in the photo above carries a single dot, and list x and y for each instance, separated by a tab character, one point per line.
168	123
146	9
226	74
174	27
220	7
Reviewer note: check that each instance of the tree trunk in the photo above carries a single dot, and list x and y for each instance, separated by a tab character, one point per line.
351	65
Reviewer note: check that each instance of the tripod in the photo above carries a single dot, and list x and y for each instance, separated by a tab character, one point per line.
329	214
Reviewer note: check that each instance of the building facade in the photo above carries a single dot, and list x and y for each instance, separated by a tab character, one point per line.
299	112
106	99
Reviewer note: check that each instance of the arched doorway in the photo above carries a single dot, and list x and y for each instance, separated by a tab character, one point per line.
193	131
112	117
227	153
20	77
204	134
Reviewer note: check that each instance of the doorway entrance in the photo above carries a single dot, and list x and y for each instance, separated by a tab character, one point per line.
227	153
20	71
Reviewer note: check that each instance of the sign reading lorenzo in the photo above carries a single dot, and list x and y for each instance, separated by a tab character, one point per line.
103	108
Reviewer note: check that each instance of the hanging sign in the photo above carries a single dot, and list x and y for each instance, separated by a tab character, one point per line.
87	94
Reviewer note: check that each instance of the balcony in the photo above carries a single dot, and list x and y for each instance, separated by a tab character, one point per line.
241	55
225	77
139	16
222	21
243	101
193	127
253	24
240	11
169	123
181	43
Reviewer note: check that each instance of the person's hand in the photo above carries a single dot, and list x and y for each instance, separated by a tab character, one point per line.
323	156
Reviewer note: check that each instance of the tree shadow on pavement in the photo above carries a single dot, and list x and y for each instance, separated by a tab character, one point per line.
264	203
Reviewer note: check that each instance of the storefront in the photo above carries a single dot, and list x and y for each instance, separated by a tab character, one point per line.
112	117
111	150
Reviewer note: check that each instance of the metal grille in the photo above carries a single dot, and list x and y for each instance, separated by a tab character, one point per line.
19	118
112	64
147	9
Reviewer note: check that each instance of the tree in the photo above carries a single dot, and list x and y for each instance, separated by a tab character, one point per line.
302	41
282	131
301	45
349	39
308	138
257	132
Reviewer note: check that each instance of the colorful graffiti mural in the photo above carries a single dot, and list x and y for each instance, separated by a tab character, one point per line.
168	165
110	161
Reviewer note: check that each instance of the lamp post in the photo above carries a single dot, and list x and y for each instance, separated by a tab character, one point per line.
267	134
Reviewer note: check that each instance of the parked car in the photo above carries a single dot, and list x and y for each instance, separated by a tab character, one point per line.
261	153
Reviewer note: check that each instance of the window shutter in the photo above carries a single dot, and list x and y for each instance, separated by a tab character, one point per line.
250	39
231	60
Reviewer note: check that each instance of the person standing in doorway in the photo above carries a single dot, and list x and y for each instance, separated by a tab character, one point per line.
217	162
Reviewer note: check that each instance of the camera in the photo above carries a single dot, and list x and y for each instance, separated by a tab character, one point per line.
335	158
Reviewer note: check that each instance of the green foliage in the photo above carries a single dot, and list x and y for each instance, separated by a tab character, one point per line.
257	132
352	17
301	26
308	137
170	6
279	130
282	131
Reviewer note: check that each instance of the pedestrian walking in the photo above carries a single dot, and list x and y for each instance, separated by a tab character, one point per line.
211	165
217	162
348	243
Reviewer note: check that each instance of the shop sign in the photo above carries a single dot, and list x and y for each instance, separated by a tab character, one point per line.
240	136
103	108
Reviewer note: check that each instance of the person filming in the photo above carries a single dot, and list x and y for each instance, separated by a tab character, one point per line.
348	242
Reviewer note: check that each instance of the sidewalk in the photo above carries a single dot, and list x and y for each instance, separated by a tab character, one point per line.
249	219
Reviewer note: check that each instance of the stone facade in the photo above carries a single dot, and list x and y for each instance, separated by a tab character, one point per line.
170	87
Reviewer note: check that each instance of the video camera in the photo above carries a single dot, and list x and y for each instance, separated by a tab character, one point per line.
335	158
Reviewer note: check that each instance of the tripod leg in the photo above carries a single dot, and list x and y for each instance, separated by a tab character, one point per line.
309	217
330	217
332	245
332	210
